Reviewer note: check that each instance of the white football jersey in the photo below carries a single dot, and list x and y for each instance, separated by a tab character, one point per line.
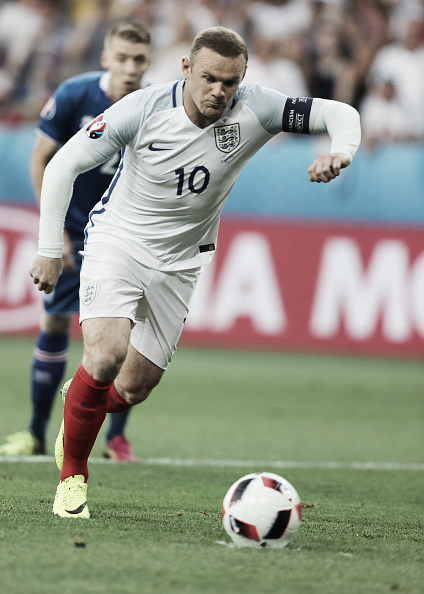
164	203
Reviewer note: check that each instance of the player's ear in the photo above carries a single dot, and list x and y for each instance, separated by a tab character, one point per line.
185	66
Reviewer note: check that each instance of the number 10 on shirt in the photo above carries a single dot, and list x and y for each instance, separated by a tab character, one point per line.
201	182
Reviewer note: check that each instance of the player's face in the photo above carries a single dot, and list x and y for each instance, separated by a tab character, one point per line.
211	83
127	62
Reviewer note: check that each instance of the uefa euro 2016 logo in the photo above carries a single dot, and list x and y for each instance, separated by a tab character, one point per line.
96	128
227	138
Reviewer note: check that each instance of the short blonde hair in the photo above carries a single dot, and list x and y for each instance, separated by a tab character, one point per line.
130	31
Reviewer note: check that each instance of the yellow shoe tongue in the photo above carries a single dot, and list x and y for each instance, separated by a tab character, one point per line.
79	477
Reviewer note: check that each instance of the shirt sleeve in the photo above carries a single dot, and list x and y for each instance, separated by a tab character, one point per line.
342	123
96	142
56	115
277	112
56	193
117	127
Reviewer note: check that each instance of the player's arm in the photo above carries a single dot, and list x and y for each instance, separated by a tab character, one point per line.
91	146
341	122
42	152
305	115
59	176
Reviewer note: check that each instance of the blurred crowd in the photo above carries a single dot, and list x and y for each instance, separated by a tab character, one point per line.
368	53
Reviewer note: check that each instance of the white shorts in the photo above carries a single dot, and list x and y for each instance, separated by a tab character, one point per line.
114	285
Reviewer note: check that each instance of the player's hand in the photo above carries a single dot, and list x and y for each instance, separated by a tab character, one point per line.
67	254
45	272
327	167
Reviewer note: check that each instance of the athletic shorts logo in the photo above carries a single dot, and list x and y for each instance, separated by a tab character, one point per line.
96	128
227	138
89	293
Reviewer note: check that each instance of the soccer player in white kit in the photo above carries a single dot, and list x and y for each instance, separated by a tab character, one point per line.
183	146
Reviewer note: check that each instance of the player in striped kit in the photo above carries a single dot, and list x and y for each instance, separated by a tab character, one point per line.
184	144
125	58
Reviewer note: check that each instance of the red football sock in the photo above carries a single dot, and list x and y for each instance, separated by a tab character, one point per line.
84	412
115	401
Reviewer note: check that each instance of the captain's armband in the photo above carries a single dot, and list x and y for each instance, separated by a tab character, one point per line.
296	115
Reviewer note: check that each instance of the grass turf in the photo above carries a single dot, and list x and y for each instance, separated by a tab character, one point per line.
157	527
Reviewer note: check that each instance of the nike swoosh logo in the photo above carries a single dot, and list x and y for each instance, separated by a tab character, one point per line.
155	148
78	510
85	405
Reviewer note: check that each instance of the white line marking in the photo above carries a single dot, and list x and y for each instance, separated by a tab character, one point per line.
258	464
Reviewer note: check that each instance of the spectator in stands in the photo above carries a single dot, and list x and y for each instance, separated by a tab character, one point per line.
83	43
269	69
332	73
25	27
332	42
403	61
275	19
383	119
167	64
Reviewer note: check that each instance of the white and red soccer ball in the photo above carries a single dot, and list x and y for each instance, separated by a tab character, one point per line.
261	509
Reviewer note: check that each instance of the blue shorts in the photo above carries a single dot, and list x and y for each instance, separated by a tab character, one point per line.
65	297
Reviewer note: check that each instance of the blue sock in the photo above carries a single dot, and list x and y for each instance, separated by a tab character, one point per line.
117	422
48	368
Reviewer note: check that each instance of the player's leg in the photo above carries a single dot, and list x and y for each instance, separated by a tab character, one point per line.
137	378
138	367
105	348
48	364
48	367
110	289
160	318
85	406
135	381
117	444
159	302
51	352
109	293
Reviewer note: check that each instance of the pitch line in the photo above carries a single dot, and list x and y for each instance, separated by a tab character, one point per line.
261	465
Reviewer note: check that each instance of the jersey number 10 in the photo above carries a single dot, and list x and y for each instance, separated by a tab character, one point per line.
197	187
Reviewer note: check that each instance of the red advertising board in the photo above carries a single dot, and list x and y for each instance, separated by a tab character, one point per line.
272	285
20	302
312	287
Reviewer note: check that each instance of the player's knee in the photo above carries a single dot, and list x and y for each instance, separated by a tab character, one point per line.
58	324
138	391
104	363
143	393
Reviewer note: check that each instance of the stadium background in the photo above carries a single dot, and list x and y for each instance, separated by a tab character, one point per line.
327	268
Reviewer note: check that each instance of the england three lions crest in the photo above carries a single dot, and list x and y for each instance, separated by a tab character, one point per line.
89	292
227	138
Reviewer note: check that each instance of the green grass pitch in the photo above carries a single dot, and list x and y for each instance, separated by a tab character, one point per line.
347	432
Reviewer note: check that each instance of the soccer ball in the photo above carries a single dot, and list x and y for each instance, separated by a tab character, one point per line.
261	509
